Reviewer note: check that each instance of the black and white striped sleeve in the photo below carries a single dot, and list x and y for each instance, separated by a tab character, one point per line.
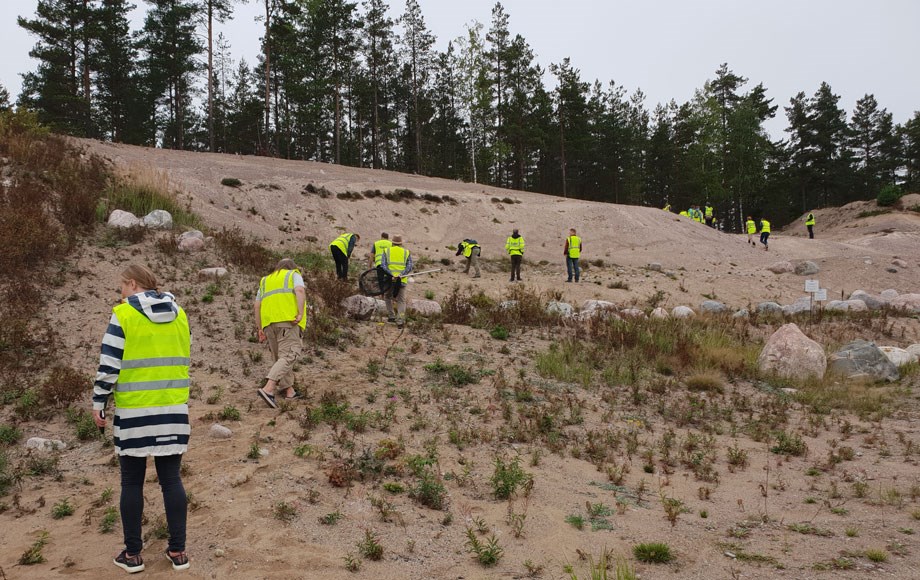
113	348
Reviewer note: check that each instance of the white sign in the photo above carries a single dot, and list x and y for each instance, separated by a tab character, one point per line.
821	295
812	286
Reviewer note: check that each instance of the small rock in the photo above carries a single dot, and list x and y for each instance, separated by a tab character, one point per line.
914	351
561	308
159	219
218	431
789	390
123	219
889	294
907	302
802	304
359	307
807	268
191	245
899	263
769	308
713	307
191	234
783	267
507	305
263	452
891	270
219	553
655	267
632	313
212	273
43	444
424	307
659	313
871	302
743	313
591	305
682	312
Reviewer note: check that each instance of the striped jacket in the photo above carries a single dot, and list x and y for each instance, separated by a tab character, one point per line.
143	431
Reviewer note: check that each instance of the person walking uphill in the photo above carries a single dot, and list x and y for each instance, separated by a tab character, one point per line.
144	363
751	226
572	252
341	248
397	262
514	245
765	233
810	224
281	317
471	251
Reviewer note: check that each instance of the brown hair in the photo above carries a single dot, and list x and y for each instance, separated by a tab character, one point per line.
142	275
285	264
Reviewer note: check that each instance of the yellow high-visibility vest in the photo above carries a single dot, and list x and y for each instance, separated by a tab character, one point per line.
278	303
468	249
751	227
764	226
397	256
154	366
574	246
515	246
379	247
810	219
341	242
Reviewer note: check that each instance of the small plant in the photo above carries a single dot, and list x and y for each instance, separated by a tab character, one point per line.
352	562
789	444
34	554
652	553
429	491
737	457
508	477
62	509
673	507
109	518
429	294
230	413
394	487
852	532
331	519
370	547
254	451
284	511
231	182
575	520
488	553
9	434
877	555
499	332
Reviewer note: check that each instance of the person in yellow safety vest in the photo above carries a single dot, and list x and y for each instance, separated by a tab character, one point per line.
697	214
710	218
471	250
341	248
281	317
751	226
685	213
572	252
144	363
397	262
514	245
667	207
373	259
810	224
765	233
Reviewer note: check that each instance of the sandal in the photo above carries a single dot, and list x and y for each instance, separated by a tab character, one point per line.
270	399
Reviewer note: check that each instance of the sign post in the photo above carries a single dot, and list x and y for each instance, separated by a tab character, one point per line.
813	287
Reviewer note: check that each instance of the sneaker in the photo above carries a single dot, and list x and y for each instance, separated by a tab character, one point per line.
400	323
179	561
130	564
270	399
391	319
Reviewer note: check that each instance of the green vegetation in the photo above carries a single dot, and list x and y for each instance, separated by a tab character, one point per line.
888	195
34	554
508	477
62	509
487	553
653	553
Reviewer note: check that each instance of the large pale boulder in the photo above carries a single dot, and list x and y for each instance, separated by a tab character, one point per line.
212	273
907	302
424	307
42	444
713	307
682	312
888	294
659	313
914	351
863	359
743	313
769	308
592	305
191	234
857	306
561	308
802	304
791	354
359	307
782	267
159	219
191	245
871	302
631	313
898	356
807	268
123	219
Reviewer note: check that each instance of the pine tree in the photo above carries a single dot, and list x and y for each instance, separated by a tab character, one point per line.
416	41
121	109
4	99
58	91
865	140
380	59
214	11
831	163
448	154
910	139
572	122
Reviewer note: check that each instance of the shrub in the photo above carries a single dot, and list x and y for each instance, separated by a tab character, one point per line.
83	423
62	509
889	195
652	553
244	252
789	444
429	491
488	553
370	547
63	386
231	182
142	191
499	332
34	554
9	434
229	413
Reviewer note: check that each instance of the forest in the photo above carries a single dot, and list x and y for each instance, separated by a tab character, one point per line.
342	82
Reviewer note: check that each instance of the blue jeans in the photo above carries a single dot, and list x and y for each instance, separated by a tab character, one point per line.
133	470
571	264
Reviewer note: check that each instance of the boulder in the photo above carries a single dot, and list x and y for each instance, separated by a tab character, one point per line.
743	313
783	267
713	307
159	219
791	354
507	304
856	305
807	268
682	312
802	304
889	294
191	234
862	359
631	313
593	305
191	245
381	307
898	356
655	267
561	308
359	307
218	431
769	308
659	313
214	273
907	302
123	219
871	302
899	263
914	351
43	444
424	307
837	306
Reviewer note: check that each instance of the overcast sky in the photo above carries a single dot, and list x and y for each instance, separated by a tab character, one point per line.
668	48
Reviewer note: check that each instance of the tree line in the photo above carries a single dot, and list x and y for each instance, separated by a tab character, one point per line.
344	83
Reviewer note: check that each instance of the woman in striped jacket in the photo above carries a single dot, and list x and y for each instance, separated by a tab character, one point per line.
144	364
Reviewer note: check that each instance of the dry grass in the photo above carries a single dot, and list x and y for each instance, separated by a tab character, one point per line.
143	190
